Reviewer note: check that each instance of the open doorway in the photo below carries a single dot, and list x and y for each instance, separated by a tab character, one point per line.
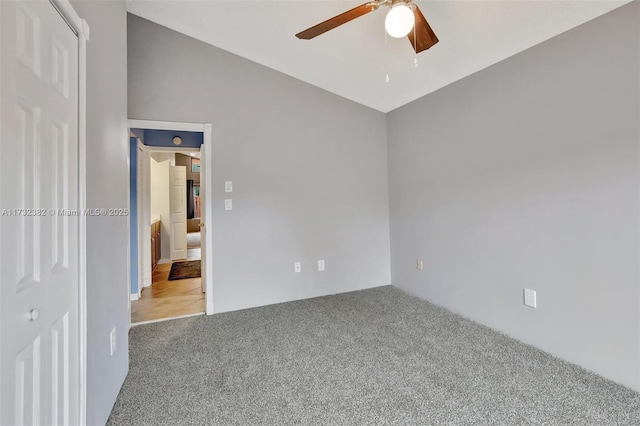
176	286
168	233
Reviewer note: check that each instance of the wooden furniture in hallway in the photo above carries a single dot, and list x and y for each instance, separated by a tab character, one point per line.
193	225
156	244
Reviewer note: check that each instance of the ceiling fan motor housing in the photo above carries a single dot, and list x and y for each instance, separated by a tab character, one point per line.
400	19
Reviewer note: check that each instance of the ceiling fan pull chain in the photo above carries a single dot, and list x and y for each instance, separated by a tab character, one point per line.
415	44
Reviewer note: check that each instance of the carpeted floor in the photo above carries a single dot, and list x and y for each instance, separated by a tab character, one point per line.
375	357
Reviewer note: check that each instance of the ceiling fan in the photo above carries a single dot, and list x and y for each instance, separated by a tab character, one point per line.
400	21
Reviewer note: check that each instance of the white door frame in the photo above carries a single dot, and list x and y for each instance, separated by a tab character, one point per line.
81	28
207	162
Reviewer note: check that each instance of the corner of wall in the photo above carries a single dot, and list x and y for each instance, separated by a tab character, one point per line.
107	187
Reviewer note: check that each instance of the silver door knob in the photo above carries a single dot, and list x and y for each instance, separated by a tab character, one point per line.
33	315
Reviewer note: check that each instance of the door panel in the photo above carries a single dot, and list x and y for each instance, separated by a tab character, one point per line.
27	197
27	390
60	196
178	211
39	223
60	371
179	230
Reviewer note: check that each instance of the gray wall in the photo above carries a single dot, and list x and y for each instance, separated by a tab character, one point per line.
308	169
526	174
107	183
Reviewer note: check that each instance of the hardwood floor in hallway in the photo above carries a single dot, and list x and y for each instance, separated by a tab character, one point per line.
167	299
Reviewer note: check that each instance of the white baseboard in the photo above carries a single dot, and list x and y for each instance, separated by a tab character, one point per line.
164	261
134	296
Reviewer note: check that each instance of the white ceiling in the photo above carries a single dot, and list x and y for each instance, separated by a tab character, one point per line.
353	60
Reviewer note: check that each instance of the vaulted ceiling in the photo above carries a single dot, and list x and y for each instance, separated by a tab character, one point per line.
353	60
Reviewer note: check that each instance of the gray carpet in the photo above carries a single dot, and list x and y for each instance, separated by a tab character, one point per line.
371	357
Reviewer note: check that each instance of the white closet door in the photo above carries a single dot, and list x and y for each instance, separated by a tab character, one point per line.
39	224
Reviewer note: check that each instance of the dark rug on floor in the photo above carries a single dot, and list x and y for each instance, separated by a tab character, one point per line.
373	357
184	270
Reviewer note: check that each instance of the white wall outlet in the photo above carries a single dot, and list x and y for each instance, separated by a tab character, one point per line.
228	204
530	298
419	265
228	186
297	267
112	340
320	265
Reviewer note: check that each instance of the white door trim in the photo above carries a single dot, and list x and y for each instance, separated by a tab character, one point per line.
207	162
208	223
81	28
166	125
170	149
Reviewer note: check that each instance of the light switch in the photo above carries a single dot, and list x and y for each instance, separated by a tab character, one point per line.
228	204
228	186
297	267
530	298
320	265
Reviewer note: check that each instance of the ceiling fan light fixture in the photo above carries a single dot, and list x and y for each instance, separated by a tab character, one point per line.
399	20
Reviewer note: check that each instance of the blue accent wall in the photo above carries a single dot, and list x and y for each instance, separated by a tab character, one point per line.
133	212
165	138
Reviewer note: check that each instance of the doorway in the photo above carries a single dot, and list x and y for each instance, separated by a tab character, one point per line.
176	286
168	205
